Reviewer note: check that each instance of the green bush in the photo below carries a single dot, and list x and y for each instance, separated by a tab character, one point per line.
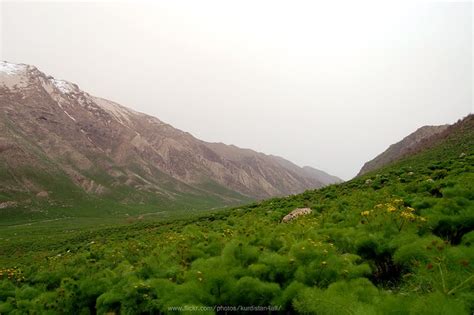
252	291
350	297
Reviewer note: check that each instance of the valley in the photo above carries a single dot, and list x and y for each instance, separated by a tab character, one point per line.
396	240
236	157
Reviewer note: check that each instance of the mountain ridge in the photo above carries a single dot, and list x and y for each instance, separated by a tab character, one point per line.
54	128
401	148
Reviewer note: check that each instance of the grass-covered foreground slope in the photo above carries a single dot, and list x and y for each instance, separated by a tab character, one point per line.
398	241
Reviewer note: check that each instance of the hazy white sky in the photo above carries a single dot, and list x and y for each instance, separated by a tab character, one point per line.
321	84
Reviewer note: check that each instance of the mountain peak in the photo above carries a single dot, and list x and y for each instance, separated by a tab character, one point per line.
8	68
19	75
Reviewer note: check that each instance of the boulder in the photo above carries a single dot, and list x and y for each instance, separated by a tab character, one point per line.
7	204
296	213
42	194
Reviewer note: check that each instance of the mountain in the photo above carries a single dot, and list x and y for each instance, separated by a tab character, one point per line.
308	171
322	176
59	142
402	148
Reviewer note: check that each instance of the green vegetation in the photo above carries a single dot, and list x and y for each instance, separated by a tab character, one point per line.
396	241
66	200
108	197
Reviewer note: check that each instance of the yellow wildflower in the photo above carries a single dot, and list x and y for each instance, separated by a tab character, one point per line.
398	201
408	215
391	208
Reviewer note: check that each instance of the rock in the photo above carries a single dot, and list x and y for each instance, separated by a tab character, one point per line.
42	194
7	204
296	213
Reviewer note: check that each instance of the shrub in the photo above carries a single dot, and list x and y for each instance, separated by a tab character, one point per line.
439	174
285	299
414	251
378	252
252	291
278	268
468	239
343	297
453	229
236	252
438	304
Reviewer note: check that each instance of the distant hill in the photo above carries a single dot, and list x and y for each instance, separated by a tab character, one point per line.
326	178
402	148
309	172
60	146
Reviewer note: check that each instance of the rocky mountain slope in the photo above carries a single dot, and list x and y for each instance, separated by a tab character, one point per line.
57	140
402	148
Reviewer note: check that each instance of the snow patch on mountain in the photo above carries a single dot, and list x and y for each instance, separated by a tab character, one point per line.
11	68
63	86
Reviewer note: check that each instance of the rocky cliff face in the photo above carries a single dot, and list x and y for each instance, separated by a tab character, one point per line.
51	130
400	149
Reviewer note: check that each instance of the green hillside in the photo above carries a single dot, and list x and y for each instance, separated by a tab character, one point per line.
395	241
68	200
27	170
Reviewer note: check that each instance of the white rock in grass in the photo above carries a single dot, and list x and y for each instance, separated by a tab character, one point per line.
296	213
